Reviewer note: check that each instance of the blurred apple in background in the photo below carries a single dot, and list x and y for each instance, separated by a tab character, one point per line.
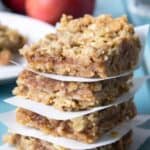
46	10
51	10
15	5
78	8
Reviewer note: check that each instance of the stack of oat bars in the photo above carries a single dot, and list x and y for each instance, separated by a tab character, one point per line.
87	47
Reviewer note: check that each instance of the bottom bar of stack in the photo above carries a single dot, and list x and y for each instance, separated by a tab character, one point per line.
21	142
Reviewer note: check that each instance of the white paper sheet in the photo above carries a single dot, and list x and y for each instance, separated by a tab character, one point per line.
74	79
53	113
141	31
9	120
139	134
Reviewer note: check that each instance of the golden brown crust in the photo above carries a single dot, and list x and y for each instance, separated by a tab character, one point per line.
87	128
87	47
70	96
29	143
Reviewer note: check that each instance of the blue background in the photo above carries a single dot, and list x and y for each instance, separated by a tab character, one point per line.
142	98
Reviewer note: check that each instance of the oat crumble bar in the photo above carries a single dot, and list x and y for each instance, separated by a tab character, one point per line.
88	47
10	42
88	128
70	96
28	143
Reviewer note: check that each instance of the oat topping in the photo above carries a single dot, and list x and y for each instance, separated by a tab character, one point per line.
89	47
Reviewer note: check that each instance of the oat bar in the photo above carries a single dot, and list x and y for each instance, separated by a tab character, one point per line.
88	47
10	42
28	143
70	96
88	128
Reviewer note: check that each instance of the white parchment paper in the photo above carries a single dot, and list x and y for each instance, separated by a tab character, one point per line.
9	120
53	113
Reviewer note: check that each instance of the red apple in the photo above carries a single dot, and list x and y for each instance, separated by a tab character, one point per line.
78	8
15	5
51	10
46	10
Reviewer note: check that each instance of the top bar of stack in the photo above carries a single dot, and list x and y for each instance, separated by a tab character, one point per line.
86	47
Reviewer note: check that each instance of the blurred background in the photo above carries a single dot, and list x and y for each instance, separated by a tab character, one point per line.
138	11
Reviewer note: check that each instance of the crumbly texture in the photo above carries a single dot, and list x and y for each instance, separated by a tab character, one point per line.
70	96
10	41
88	128
29	143
88	47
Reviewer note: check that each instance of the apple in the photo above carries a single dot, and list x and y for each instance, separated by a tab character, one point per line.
78	8
46	10
51	10
15	5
